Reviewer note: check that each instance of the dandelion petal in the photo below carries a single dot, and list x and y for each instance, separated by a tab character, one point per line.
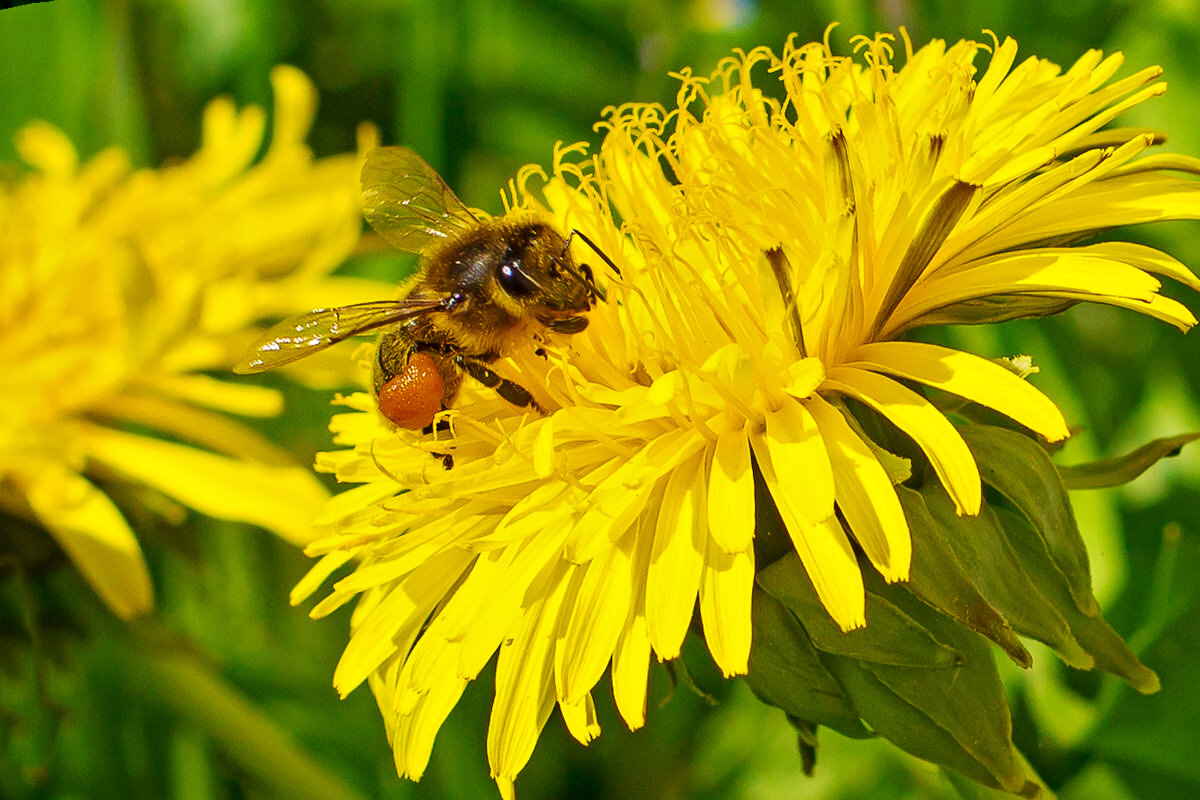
525	682
799	459
418	725
280	499
673	578
397	618
92	531
631	671
581	719
725	591
822	546
917	417
965	375
731	493
865	494
600	610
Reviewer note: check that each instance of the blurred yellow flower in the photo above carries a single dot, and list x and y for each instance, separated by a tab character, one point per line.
771	252
118	289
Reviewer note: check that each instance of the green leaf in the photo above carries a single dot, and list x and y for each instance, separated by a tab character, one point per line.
890	637
1122	469
968	702
1093	634
1018	468
940	580
982	551
786	672
968	790
955	717
904	724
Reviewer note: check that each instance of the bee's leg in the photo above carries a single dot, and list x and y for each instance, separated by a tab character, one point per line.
391	357
514	393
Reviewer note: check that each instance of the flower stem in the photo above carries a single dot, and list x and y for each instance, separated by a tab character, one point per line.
189	691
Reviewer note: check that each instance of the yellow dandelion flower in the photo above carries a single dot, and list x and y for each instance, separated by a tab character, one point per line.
771	252
118	288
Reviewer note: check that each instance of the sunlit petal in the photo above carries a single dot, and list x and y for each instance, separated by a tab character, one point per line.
920	419
974	378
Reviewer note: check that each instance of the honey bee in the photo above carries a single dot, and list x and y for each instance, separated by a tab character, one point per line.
483	287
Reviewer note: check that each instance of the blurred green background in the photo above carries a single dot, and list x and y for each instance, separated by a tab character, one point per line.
243	707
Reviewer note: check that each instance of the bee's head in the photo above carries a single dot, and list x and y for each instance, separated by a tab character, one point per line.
539	272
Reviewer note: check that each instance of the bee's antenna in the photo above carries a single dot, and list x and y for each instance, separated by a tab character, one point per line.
576	232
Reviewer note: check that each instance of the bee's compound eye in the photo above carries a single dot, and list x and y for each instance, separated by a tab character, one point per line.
514	281
412	398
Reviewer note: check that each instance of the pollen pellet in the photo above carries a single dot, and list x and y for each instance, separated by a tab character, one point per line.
413	397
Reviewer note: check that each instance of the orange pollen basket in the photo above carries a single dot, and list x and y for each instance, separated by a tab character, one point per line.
412	398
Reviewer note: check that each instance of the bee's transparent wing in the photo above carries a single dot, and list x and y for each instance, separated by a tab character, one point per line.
408	203
305	334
